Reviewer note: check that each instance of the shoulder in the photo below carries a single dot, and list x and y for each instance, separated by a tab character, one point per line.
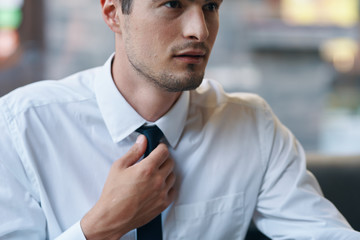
77	87
212	95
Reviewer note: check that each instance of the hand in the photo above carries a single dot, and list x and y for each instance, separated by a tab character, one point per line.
133	194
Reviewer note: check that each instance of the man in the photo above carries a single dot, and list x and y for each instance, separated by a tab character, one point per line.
71	161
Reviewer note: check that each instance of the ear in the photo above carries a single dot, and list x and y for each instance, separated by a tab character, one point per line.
110	9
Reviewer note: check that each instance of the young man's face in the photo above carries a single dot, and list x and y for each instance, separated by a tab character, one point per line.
169	42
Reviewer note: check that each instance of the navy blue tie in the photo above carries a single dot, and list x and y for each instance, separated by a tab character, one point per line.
153	229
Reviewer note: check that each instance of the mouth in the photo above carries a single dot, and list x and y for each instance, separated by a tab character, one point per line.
191	57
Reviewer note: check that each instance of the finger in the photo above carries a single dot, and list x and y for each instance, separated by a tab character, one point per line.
157	157
170	180
134	154
167	167
171	195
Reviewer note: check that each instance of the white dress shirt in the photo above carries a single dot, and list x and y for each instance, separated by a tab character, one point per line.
234	161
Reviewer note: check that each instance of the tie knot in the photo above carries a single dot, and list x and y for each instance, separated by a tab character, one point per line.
153	135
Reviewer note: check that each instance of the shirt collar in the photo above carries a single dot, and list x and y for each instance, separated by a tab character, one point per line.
173	122
121	119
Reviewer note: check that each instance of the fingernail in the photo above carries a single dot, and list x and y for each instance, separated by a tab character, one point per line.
140	139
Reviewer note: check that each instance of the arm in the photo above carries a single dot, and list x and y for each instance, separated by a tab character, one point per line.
20	211
23	215
290	203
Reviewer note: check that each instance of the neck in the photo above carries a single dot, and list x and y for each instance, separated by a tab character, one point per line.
150	101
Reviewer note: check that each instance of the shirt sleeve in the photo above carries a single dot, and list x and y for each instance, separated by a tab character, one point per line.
21	213
290	204
73	233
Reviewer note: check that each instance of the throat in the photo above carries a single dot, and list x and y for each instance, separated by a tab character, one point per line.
152	103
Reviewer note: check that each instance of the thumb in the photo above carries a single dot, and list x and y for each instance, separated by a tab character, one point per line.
134	154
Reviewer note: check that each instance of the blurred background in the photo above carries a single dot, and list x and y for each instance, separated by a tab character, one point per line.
302	56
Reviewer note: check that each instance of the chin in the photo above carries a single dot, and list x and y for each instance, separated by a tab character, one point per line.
180	86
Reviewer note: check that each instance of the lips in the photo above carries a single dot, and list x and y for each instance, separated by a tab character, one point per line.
195	53
191	56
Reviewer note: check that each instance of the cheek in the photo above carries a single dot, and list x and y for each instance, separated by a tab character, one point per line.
213	28
213	33
159	41
142	41
164	35
149	49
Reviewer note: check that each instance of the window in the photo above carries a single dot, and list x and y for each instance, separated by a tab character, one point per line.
21	43
302	56
10	19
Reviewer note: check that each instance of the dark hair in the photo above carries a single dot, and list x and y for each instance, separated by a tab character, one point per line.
126	6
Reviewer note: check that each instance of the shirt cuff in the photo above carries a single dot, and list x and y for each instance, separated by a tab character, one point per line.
73	233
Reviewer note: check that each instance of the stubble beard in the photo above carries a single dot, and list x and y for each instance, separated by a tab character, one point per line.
167	80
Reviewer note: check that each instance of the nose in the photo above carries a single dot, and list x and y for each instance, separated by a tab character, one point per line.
195	25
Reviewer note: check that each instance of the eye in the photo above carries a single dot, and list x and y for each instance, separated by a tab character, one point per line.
211	7
173	4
